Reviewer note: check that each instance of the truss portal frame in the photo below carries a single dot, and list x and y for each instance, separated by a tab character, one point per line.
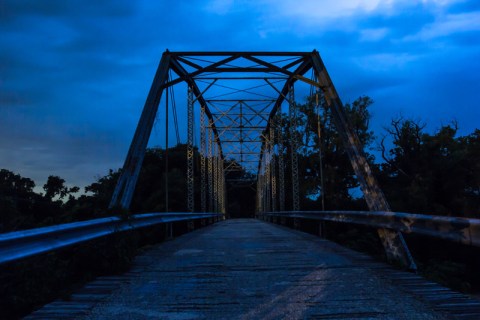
268	78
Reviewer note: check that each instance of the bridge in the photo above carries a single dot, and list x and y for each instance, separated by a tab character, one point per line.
262	268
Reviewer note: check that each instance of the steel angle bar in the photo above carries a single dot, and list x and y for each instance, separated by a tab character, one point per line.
293	63
123	192
190	152
273	172
188	62
239	78
231	53
268	65
22	244
180	70
393	242
205	90
456	229
255	144
244	114
210	169
294	148
240	100
300	70
242	127
281	167
203	157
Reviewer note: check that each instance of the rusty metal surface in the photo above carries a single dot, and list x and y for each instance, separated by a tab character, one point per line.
462	230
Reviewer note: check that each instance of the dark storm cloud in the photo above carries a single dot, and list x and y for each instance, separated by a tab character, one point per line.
75	74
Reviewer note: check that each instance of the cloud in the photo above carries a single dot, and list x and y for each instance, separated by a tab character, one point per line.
373	34
74	74
448	25
220	7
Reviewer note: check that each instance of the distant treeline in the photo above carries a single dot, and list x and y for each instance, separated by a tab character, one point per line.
431	173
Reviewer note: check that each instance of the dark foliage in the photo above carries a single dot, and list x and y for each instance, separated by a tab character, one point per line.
432	173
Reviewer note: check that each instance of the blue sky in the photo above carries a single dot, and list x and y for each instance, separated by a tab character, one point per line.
74	74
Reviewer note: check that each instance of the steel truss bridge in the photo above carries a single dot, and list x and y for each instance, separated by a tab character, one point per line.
243	125
235	107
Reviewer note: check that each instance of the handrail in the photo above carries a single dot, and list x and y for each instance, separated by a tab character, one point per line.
462	230
25	243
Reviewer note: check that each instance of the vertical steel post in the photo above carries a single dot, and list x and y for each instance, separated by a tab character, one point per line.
167	196
320	147
203	154
266	157
294	147
265	183
259	194
190	179
281	166
224	188
273	173
215	177
210	167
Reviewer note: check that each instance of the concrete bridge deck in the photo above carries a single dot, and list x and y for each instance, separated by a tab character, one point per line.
248	269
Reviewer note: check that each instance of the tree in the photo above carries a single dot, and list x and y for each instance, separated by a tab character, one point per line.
339	177
55	186
431	173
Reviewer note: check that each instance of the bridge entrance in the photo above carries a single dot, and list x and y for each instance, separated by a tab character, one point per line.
242	111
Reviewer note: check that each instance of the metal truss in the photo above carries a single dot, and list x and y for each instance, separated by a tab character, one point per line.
210	169
190	176
203	157
281	166
293	146
241	93
268	180
272	166
215	177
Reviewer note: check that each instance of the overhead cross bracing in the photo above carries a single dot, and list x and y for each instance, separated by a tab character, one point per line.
240	95
241	92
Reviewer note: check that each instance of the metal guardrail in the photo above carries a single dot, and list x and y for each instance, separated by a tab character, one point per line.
21	244
462	230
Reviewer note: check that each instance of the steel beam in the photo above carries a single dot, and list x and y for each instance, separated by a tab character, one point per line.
293	149
123	193
273	173
393	242
190	176
210	169
281	166
203	155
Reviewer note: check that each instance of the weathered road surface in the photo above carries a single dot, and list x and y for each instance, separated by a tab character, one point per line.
248	269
